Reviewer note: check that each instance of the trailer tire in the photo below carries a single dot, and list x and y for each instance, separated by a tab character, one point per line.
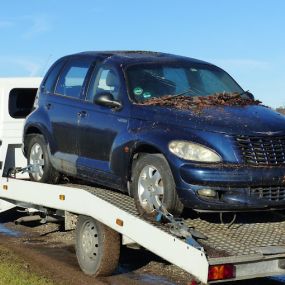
37	150
160	181
97	247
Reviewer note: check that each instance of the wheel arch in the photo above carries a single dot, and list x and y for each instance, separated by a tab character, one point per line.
141	149
29	131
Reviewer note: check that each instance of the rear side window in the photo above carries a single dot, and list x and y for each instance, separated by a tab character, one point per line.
21	101
52	76
72	78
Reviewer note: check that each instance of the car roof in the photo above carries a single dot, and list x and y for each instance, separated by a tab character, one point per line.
128	57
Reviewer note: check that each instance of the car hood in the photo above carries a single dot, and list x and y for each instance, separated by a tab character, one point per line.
247	120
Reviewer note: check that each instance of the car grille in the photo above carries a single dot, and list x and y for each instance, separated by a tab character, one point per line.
272	193
262	150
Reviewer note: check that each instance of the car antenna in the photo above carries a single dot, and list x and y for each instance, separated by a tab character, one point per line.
46	64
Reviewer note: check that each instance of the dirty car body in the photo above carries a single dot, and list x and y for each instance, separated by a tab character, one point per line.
242	147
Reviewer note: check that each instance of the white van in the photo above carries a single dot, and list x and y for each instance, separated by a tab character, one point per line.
17	97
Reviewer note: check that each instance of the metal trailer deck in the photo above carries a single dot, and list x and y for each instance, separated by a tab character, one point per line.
257	249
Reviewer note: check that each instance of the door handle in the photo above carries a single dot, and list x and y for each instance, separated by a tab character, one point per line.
82	114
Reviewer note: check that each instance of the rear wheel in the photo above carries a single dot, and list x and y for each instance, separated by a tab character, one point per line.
153	185
37	155
97	247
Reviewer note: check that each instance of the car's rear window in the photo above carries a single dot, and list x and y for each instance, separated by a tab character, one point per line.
21	101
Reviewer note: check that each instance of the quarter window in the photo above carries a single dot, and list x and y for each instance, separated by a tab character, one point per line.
71	80
51	78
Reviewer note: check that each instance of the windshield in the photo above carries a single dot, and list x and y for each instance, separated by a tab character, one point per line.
146	81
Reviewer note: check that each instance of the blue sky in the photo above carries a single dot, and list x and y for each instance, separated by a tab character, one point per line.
246	38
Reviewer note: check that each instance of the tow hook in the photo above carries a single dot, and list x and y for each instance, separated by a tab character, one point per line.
178	228
12	172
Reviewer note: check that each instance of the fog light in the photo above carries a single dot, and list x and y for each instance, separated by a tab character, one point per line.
210	193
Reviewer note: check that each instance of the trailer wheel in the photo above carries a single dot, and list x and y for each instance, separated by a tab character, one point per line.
153	185
37	155
97	247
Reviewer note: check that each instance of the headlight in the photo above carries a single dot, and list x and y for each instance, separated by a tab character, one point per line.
192	151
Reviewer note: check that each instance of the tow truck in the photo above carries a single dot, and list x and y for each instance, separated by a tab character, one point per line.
249	246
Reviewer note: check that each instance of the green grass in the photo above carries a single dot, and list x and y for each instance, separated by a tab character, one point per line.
15	271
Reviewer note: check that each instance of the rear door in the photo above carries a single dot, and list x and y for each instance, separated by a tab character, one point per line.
63	107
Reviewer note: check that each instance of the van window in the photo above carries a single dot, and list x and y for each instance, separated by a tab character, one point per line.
21	101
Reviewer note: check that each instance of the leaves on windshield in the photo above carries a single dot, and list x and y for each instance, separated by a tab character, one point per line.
201	102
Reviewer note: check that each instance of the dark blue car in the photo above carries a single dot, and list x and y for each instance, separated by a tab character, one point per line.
161	127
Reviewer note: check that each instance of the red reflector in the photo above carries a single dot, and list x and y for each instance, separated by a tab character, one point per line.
221	272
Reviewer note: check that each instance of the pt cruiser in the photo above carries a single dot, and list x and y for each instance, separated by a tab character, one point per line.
163	128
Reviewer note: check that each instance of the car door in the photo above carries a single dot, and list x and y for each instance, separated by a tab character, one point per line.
100	128
63	107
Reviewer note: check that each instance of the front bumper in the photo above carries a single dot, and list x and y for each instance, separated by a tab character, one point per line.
237	187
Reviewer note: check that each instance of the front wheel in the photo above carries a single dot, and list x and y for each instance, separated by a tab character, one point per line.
153	185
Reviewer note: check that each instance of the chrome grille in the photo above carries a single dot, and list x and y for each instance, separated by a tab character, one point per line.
262	150
272	193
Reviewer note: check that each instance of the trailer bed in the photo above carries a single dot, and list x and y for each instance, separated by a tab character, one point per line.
247	238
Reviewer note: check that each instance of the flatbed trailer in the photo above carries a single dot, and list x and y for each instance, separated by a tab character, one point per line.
251	246
254	248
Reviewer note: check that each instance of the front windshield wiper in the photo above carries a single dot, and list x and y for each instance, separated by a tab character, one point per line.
249	94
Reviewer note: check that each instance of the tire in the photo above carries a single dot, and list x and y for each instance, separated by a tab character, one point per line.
153	184
37	155
97	247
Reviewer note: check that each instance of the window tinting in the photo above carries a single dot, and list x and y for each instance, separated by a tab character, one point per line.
71	80
21	101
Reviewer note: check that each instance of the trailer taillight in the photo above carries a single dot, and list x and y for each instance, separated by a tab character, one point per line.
221	272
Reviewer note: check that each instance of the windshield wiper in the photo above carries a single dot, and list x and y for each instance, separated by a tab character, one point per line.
249	94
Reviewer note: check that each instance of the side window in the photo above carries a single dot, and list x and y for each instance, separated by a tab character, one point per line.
105	80
72	78
52	76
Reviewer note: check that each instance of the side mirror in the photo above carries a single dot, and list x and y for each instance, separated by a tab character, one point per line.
107	99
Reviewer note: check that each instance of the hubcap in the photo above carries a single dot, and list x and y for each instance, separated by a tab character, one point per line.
37	160
150	188
90	241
